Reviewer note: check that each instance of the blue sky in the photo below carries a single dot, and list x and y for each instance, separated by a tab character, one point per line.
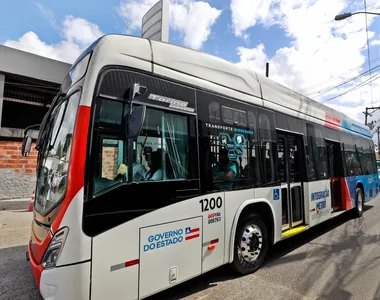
14	22
308	51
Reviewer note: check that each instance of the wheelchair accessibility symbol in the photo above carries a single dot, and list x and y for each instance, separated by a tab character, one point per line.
276	194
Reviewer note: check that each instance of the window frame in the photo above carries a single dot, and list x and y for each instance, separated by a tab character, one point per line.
94	126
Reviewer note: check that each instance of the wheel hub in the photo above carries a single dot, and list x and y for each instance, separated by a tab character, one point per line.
360	202
251	243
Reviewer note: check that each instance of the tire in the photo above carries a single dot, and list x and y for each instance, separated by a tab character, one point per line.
359	203
245	261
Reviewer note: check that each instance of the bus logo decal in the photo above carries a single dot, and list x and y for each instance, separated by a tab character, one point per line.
320	195
276	194
190	233
161	240
173	103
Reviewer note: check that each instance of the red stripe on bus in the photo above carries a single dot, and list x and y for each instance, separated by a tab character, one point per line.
194	230
132	263
214	241
192	237
35	266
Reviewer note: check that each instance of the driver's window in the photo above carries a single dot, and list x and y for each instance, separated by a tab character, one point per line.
159	153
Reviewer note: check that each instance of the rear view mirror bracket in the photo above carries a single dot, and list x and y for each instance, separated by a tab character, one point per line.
136	116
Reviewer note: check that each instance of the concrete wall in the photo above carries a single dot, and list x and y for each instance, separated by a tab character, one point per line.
23	63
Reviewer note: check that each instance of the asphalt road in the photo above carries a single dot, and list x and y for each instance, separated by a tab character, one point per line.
336	260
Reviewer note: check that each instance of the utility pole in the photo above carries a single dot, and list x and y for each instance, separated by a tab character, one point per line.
366	113
378	140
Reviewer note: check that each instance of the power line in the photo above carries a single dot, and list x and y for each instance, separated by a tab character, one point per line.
369	80
337	76
369	57
332	87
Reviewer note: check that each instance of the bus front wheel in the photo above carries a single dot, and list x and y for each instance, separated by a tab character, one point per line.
359	203
251	244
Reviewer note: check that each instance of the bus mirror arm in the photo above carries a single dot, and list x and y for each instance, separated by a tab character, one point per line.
137	115
137	90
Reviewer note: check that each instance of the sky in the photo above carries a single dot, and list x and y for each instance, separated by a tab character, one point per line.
307	50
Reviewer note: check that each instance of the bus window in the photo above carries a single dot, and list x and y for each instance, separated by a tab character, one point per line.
268	147
228	143
214	111
351	157
162	147
55	157
361	157
159	153
316	154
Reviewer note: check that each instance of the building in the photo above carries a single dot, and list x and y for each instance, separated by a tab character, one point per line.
28	84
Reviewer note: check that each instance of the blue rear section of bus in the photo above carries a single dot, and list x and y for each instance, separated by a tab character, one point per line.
370	184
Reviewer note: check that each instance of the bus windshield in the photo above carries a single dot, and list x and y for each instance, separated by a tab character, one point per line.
55	153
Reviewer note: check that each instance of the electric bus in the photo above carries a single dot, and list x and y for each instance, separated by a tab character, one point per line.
158	163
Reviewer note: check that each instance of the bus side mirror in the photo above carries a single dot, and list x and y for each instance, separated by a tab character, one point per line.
26	145
136	121
27	142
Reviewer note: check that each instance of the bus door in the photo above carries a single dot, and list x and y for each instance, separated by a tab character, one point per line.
336	173
291	172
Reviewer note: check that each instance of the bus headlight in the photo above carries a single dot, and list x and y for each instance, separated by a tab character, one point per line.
55	247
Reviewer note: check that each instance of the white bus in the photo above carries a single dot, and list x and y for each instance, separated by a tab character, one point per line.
170	162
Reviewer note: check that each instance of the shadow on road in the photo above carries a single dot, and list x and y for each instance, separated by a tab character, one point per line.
342	262
280	254
16	279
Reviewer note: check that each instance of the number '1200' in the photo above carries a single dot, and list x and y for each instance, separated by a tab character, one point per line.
207	204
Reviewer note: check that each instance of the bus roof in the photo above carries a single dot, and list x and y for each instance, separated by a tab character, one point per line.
220	76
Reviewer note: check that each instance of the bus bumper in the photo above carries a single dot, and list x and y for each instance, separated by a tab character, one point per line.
36	268
66	282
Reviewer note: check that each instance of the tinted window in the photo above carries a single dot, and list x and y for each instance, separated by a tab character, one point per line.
228	144
361	156
316	154
351	157
268	146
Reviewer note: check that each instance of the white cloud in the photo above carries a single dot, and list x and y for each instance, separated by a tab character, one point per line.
321	49
192	19
80	31
78	34
47	14
246	13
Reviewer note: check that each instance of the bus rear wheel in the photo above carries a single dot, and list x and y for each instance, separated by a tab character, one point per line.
359	203
251	245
